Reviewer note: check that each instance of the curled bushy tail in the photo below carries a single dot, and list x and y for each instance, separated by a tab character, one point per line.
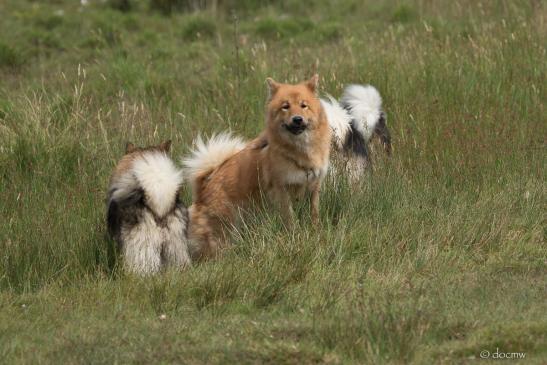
151	180
154	175
207	156
364	104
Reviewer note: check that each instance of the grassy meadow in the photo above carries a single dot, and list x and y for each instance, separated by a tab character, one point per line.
437	256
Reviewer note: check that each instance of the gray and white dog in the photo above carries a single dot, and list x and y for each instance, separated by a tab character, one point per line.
144	214
355	120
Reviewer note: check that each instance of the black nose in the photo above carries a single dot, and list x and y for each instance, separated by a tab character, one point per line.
297	119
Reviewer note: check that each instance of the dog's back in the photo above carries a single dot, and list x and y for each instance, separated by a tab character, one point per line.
223	173
144	214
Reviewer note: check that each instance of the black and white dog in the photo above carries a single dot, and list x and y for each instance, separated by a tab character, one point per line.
355	120
144	214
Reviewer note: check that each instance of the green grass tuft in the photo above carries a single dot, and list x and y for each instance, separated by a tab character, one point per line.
281	28
10	57
404	13
199	28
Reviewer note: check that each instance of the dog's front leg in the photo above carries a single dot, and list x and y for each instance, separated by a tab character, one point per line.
281	197
315	189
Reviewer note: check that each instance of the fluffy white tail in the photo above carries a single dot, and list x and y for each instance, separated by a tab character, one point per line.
338	118
153	175
205	157
364	104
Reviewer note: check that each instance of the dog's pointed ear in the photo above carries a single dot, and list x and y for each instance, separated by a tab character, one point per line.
129	147
165	146
273	86
313	83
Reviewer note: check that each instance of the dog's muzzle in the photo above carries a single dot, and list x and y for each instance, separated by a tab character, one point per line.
296	126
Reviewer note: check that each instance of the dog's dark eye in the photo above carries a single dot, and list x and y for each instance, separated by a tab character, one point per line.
303	105
285	106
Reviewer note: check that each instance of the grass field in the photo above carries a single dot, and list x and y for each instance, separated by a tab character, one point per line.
439	255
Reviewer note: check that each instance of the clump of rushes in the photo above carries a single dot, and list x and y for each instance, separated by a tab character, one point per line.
121	5
198	27
282	28
167	7
10	57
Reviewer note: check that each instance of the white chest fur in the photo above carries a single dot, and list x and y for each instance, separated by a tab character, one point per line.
299	176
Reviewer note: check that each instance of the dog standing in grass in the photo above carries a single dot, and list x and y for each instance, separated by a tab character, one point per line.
289	158
355	121
144	214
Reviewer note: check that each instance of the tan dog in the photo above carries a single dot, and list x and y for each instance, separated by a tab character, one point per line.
291	155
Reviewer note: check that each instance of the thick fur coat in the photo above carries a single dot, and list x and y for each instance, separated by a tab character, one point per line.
355	121
144	213
290	156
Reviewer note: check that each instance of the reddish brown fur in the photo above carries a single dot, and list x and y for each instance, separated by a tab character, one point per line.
275	162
